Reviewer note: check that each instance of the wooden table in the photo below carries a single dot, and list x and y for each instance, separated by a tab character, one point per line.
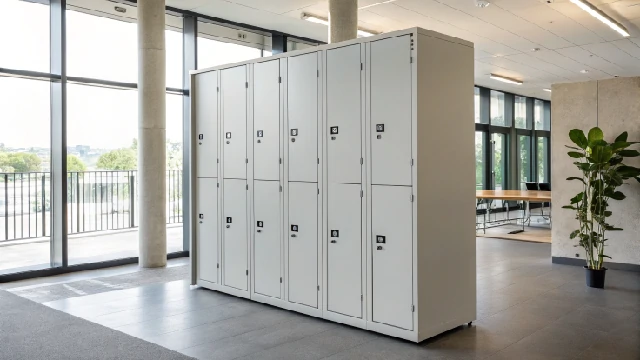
513	195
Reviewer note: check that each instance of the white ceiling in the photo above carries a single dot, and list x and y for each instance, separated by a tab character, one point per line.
505	33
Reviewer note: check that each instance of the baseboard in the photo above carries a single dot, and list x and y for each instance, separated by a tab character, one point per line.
581	262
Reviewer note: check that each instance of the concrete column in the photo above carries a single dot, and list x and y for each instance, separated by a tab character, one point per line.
343	20
152	237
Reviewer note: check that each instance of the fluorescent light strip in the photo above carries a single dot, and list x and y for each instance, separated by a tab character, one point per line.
596	13
505	79
319	20
376	4
547	90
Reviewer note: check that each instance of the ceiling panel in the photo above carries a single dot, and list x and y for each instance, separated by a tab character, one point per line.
585	57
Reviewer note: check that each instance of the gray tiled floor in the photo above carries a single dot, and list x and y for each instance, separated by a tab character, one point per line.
528	308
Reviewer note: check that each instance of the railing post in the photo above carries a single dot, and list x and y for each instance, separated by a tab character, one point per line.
6	206
131	201
44	207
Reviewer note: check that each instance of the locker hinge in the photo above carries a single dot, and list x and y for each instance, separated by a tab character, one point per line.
280	280
279	79
218	89
218	161
247	272
280	188
247	186
218	184
361	161
318	191
246	160
413	308
411	60
361	66
361	193
318	287
318	73
280	160
411	198
218	266
318	161
411	162
361	297
246	85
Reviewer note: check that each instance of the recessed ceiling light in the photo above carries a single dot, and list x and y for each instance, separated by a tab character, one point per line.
324	21
604	18
120	9
584	71
535	49
482	3
505	79
547	90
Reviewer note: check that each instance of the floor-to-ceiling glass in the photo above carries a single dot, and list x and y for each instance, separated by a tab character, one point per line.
480	160
524	161
499	157
543	162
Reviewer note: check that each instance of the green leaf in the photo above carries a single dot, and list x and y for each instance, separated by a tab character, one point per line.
615	160
628	171
572	147
575	154
578	138
618	195
620	145
574	234
576	178
605	256
576	199
601	154
583	166
622	137
629	153
595	134
570	207
607	213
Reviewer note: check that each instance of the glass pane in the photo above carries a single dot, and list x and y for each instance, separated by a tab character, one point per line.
294	45
174	173
214	53
480	161
524	160
543	164
497	109
24	35
542	122
499	150
173	41
476	101
25	159
520	115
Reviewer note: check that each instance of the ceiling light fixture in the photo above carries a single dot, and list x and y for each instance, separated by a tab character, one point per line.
323	21
376	4
120	9
505	79
596	13
547	90
482	3
584	71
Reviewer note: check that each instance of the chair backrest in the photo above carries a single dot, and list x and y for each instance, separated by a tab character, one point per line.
545	186
531	186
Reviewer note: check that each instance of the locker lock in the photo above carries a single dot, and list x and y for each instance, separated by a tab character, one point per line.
260	133
228	136
294	235
228	226
333	241
379	248
334	131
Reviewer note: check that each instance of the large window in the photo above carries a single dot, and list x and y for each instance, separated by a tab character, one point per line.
524	160
24	35
541	119
543	159
497	109
476	103
520	113
213	53
480	160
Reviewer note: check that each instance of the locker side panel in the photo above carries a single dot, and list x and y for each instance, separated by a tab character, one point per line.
234	122
267	246
266	115
207	229
235	246
206	113
392	265
390	102
302	108
302	238
344	251
344	114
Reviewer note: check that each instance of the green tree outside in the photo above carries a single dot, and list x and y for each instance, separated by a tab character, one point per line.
119	159
75	164
19	162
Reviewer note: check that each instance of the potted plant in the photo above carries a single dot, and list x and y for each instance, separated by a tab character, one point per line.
603	172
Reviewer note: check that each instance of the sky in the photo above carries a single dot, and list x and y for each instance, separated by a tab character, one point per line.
97	47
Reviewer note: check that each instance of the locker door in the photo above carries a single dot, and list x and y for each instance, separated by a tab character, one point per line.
235	234
344	110
234	120
344	251
302	107
392	256
266	118
303	243
267	244
207	124
207	228
391	111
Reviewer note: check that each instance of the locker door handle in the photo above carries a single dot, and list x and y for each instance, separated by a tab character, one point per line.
259	230
294	235
228	226
379	248
333	241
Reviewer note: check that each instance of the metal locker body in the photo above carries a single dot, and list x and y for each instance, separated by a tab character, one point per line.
267	239
392	267
390	104
206	86
302	113
207	228
344	250
303	244
344	117
235	244
234	121
266	120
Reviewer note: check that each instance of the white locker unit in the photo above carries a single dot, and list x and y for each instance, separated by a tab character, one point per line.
206	114
234	122
334	176
235	247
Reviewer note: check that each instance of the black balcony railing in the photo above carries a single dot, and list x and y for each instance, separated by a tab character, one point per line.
96	201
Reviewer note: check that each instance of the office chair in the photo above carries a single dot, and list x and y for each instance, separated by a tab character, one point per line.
545	187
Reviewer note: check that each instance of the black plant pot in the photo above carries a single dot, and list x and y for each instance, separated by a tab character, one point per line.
595	278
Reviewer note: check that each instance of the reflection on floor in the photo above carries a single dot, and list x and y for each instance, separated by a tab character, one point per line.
538	229
527	307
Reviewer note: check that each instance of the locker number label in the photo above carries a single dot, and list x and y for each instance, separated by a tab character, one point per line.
228	135
260	224
228	219
294	228
335	233
381	239
294	132
334	130
260	133
200	137
380	128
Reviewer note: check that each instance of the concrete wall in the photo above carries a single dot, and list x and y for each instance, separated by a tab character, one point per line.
614	106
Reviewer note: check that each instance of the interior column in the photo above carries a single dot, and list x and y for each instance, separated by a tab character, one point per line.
343	20
152	237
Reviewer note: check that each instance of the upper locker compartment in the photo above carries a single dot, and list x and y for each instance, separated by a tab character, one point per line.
302	108
207	125
344	119
234	121
266	120
390	104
